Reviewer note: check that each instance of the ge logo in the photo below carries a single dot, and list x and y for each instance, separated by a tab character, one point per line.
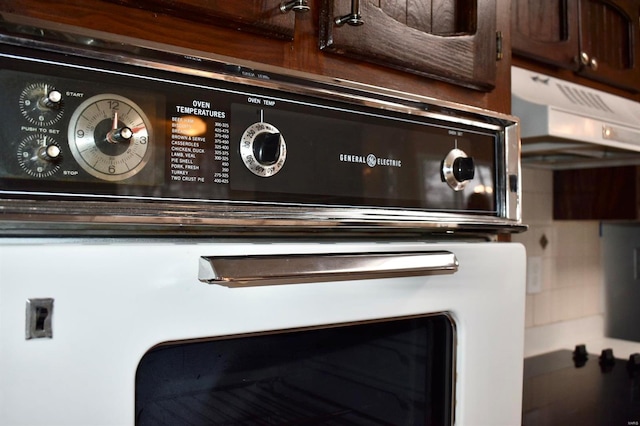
371	160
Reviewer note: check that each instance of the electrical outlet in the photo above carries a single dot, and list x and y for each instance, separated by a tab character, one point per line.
534	274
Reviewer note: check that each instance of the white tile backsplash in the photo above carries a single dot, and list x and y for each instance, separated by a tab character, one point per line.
542	308
592	300
572	283
528	312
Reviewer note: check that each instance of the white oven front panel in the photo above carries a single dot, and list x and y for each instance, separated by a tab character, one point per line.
114	299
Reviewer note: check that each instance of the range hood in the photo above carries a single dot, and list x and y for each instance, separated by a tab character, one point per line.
569	126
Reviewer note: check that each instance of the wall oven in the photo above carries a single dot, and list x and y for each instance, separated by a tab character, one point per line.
193	240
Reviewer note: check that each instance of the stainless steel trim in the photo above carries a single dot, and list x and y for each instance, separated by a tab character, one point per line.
243	271
224	218
512	207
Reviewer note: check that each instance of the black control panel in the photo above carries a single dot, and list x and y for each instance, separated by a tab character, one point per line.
74	127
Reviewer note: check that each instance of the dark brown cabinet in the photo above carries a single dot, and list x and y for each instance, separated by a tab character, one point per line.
450	40
598	39
610	42
257	16
611	193
544	30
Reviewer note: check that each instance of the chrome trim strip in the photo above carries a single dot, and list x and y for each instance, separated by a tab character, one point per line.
243	271
18	215
513	173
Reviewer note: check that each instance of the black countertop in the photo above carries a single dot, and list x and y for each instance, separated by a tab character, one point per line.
563	389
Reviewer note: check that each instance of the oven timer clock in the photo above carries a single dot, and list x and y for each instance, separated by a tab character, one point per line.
109	135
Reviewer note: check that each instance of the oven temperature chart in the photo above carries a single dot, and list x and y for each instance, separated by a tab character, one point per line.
199	133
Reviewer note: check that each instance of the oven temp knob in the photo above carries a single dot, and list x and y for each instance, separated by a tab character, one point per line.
457	169
263	149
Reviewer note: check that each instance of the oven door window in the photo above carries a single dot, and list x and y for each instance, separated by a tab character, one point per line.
397	372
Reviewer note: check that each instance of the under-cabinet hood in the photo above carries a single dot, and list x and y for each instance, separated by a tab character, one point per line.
566	125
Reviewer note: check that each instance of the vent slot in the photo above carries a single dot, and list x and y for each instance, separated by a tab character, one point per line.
584	98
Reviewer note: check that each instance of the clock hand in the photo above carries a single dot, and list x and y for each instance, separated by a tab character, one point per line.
117	135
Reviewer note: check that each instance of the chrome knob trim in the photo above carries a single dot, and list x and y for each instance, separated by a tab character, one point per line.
354	18
457	173
588	61
584	58
248	149
298	6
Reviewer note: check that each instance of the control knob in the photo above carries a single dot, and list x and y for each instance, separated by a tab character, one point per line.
39	155
457	169
41	104
263	149
266	148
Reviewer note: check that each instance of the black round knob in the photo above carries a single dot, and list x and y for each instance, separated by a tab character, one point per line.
457	169
266	148
263	149
463	169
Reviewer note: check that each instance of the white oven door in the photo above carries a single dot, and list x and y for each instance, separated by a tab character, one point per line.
78	316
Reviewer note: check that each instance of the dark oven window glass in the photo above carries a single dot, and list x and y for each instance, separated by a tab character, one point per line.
396	372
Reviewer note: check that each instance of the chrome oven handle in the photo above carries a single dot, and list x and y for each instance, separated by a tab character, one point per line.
244	271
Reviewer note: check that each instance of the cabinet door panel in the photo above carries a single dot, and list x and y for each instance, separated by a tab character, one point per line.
258	16
397	9
418	15
611	38
450	40
547	31
596	194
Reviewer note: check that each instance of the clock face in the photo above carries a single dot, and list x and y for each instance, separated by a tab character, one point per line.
110	137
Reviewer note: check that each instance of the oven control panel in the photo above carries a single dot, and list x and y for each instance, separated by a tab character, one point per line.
82	128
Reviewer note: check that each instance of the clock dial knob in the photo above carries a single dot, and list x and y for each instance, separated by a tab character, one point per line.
41	104
39	155
110	137
263	149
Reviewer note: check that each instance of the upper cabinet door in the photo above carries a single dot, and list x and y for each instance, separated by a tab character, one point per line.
599	39
257	16
610	42
450	40
547	31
